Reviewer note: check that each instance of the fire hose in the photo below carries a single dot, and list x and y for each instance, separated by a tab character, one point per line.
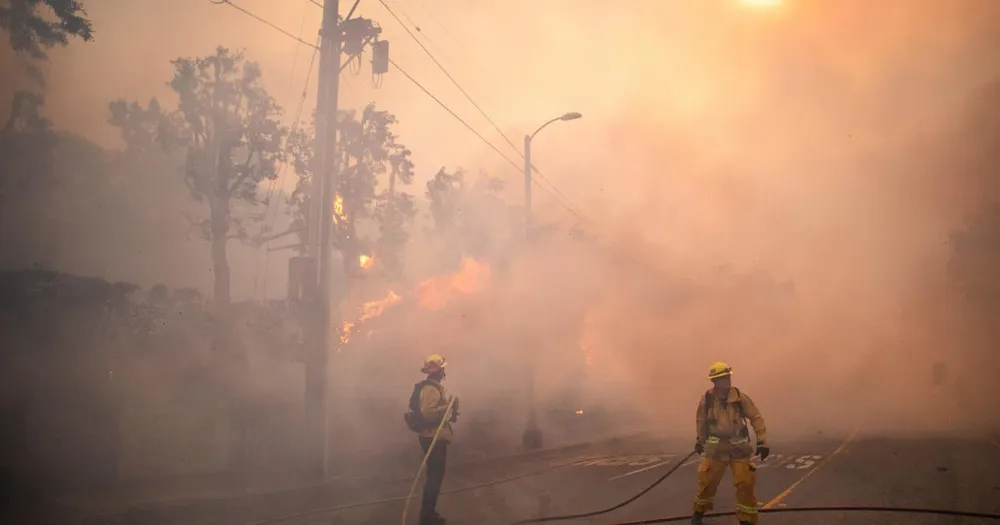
423	464
671	519
613	508
901	510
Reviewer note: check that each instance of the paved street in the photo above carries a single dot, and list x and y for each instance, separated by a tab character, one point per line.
926	472
855	470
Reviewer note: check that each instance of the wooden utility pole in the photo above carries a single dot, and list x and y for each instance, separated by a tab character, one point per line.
319	337
320	233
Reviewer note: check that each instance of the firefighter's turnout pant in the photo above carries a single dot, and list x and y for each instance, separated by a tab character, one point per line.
713	465
435	477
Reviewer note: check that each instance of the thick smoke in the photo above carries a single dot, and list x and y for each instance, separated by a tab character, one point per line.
771	188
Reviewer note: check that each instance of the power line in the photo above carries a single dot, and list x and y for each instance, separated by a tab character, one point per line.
452	113
263	21
478	107
447	74
283	169
553	192
448	33
349	13
407	75
416	26
298	112
569	207
347	83
295	122
295	57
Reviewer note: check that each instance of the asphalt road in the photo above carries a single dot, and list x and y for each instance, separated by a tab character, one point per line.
928	472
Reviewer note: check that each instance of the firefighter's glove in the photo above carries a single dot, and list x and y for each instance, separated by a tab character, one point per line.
763	451
699	448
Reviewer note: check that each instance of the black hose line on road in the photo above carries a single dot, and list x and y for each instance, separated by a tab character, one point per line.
900	510
346	506
609	509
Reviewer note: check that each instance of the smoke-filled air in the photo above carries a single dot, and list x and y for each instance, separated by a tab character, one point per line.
221	258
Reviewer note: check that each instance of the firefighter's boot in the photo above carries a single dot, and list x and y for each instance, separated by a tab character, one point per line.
434	519
698	518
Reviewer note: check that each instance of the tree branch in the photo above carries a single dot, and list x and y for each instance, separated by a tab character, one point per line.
244	173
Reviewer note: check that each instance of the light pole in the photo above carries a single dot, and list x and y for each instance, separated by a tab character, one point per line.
532	437
527	169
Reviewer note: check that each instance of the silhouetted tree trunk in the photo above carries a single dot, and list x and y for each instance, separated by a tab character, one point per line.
219	217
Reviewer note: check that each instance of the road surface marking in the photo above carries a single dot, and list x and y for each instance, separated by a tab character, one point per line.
802	462
578	460
644	469
832	455
621	461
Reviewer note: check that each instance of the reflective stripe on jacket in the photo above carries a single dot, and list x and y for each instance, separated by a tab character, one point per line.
725	424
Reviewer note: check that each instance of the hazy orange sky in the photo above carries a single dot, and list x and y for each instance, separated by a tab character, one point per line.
720	132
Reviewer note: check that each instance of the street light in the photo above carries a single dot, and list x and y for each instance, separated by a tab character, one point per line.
532	437
527	167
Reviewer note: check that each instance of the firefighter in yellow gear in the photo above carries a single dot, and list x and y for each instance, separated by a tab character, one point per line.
431	401
724	441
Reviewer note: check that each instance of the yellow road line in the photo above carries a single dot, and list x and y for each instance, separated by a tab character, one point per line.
789	490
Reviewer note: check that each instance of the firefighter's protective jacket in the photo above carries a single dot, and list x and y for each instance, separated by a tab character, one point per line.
722	428
433	403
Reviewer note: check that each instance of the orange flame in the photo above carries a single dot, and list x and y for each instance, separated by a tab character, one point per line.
434	294
472	276
366	261
345	332
338	210
375	308
368	310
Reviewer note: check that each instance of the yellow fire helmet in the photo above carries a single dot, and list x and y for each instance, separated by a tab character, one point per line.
433	363
719	369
